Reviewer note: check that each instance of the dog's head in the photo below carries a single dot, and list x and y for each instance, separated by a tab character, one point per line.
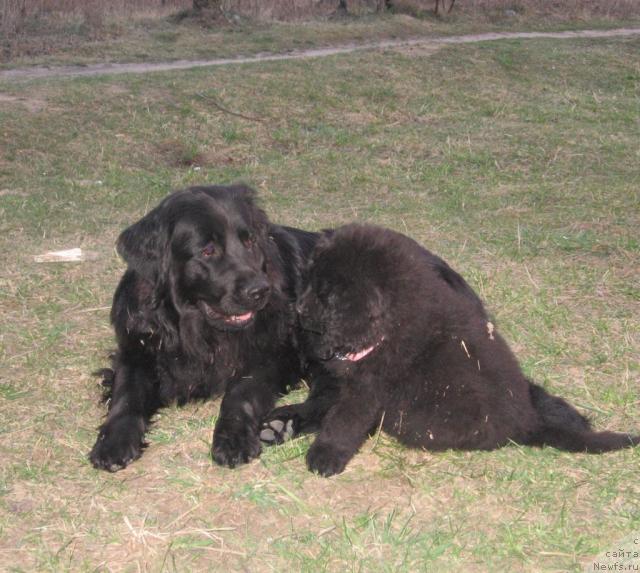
206	249
342	311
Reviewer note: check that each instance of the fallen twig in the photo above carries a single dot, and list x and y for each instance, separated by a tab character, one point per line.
225	110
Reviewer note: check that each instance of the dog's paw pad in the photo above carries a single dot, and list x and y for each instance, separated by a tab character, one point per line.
276	431
267	435
277	425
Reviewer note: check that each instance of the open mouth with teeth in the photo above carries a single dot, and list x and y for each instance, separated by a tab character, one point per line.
230	319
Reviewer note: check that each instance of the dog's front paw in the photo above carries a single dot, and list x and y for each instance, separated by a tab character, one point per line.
119	442
326	459
235	444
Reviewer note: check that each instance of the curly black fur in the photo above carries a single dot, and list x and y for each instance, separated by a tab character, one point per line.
205	307
410	347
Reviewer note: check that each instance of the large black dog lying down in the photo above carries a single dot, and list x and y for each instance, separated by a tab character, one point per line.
205	306
412	350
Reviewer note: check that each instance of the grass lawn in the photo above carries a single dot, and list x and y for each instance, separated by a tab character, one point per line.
517	161
69	38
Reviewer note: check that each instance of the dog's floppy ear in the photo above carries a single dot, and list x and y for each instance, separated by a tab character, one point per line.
142	245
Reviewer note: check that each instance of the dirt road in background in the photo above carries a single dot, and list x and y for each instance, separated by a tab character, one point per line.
141	68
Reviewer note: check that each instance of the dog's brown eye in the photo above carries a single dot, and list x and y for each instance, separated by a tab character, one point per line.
209	250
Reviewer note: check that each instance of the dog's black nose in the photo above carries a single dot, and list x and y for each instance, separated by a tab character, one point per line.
257	292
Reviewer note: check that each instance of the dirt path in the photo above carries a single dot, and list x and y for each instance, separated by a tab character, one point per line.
139	68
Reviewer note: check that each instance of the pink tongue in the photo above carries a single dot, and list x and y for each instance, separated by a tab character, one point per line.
355	356
241	317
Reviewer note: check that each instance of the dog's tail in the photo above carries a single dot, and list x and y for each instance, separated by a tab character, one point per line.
564	428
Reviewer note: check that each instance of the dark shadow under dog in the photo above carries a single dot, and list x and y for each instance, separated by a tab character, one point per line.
408	346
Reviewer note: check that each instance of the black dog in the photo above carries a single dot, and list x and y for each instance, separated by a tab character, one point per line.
411	350
205	306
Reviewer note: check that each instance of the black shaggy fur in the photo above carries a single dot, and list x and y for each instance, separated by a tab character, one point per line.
205	307
411	349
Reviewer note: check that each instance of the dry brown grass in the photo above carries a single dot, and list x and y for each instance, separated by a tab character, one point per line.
557	9
305	9
287	10
18	16
30	27
84	31
569	9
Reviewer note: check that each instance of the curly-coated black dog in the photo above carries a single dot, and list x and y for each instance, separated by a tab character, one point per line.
205	306
411	350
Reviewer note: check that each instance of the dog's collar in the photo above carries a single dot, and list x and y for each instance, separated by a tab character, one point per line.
360	354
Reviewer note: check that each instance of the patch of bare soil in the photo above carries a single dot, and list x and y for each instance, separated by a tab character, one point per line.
34	105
